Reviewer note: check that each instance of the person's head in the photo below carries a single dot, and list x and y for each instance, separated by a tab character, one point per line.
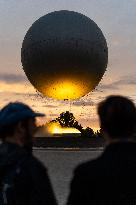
117	116
17	124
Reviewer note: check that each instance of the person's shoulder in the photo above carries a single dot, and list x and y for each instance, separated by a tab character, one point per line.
35	161
35	164
85	168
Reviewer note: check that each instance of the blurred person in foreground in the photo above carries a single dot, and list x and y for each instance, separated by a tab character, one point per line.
111	178
23	178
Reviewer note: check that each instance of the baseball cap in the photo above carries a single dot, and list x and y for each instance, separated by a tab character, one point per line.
15	112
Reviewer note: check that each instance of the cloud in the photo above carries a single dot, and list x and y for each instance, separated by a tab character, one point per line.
125	80
12	78
53	115
83	103
90	122
25	94
50	106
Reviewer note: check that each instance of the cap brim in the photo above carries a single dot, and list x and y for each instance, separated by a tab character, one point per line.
39	114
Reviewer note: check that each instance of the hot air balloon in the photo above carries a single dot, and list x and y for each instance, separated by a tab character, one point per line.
64	55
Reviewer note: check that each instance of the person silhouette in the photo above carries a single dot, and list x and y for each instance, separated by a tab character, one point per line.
23	178
110	179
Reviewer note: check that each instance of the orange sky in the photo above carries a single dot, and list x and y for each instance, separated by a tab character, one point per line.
117	21
84	109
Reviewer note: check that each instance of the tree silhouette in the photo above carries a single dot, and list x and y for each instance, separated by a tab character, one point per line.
78	126
99	133
88	132
67	119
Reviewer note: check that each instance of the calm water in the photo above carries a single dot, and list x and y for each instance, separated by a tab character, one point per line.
60	164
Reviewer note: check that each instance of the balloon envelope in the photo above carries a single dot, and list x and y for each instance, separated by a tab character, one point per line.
64	55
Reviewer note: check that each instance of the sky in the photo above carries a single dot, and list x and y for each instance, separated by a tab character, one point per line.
117	20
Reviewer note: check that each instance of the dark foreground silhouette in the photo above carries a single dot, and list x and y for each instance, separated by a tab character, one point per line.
23	178
111	178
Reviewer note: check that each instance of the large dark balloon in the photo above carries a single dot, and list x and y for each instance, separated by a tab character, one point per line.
64	55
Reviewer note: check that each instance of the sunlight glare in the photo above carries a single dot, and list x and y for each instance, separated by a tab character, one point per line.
55	128
65	89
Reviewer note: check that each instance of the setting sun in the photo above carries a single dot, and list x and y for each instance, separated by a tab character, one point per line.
55	128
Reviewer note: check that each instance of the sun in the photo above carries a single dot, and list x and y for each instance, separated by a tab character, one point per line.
55	128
